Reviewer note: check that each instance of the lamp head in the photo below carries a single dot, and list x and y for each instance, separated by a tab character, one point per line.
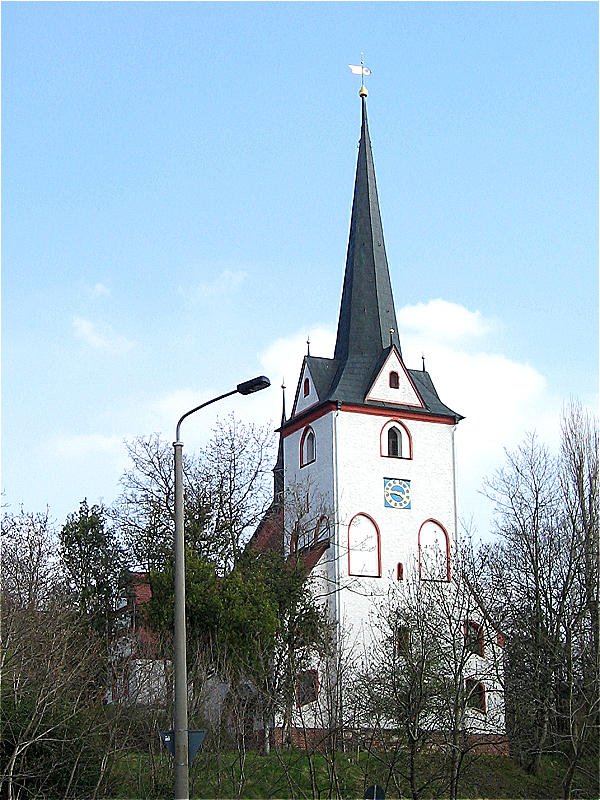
253	385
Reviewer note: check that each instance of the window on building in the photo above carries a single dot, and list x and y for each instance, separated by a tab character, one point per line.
308	447
306	387
475	694
307	687
402	641
364	557
474	638
394	380
394	443
434	552
395	440
400	571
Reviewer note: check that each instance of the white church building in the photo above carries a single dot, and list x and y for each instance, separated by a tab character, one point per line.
367	477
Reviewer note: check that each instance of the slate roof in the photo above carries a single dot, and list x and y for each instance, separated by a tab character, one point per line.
367	309
367	327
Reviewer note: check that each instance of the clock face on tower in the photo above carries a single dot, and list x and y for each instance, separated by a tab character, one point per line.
396	493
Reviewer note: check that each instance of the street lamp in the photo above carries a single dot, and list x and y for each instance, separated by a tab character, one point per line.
182	790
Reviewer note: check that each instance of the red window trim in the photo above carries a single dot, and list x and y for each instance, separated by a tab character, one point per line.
394	379
445	532
378	532
400	571
305	433
478	629
475	683
394	422
306	387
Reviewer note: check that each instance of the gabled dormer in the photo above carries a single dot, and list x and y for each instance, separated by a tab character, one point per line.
393	383
306	391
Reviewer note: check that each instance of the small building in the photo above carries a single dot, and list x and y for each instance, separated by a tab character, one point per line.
138	675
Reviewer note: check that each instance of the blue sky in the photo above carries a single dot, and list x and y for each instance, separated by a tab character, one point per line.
176	191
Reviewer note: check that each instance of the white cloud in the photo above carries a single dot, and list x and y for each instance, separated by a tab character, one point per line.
100	290
101	339
282	359
86	445
227	282
444	321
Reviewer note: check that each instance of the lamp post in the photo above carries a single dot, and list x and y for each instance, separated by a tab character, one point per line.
182	790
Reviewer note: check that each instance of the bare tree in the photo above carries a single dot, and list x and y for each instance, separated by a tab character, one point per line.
29	568
541	586
235	471
226	490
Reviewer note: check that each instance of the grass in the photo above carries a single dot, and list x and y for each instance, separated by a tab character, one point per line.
294	774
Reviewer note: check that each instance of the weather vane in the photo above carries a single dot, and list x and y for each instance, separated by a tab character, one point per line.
362	71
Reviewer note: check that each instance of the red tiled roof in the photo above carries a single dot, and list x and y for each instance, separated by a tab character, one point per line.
310	558
268	536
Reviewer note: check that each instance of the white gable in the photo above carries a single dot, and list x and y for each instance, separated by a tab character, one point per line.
383	389
307	394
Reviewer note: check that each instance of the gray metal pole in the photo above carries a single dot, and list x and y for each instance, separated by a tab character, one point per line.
182	788
180	722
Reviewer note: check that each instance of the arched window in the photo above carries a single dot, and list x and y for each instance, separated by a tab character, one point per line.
364	556
308	447
475	694
434	552
306	387
396	441
394	380
474	637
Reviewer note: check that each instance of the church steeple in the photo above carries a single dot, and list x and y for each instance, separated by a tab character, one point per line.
367	312
367	332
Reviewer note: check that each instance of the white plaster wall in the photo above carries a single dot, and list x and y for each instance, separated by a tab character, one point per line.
315	479
348	478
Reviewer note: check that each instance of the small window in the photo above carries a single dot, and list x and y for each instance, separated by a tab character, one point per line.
308	447
307	687
306	387
400	571
475	694
394	380
474	638
396	440
393	443
402	641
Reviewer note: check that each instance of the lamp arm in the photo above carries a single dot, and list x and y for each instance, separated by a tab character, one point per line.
202	405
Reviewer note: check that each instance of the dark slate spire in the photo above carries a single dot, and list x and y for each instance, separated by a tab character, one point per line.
367	329
367	309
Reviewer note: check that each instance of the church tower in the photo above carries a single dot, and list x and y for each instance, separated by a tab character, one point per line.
369	445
